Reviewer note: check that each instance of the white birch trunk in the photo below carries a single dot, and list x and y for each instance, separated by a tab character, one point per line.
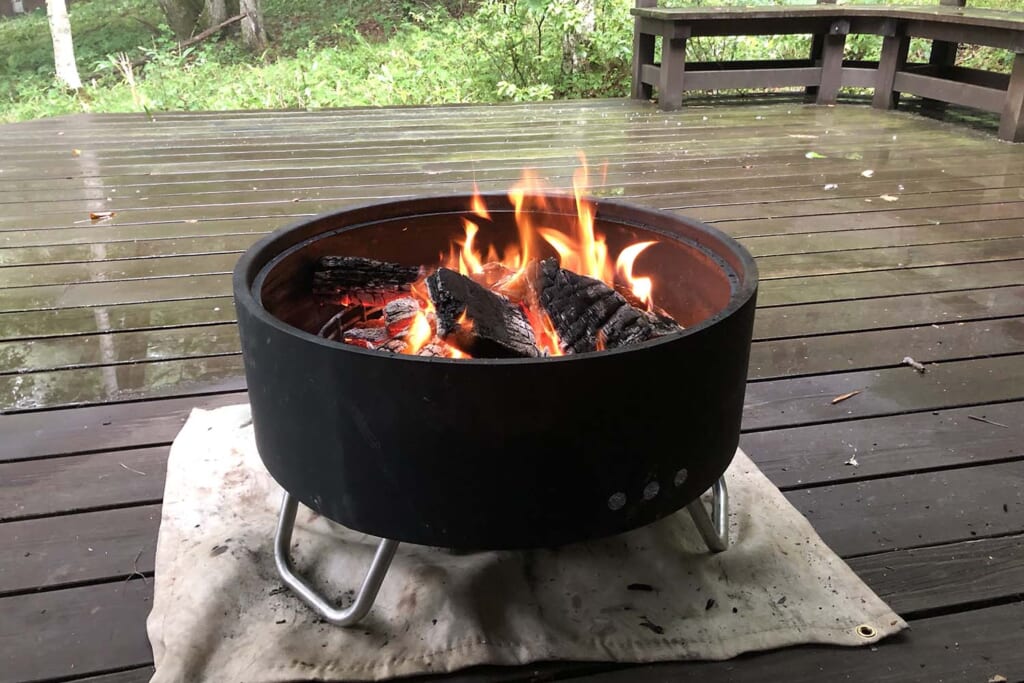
574	38
63	46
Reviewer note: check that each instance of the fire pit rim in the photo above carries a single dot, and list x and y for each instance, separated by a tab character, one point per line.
248	275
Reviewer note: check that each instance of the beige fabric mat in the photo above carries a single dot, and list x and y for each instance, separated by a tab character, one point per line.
221	614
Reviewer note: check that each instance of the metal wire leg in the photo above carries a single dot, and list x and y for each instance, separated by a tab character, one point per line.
367	592
714	529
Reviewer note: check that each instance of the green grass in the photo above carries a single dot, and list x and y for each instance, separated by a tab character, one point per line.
323	54
326	53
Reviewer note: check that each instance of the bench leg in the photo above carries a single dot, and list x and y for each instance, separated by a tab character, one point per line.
1011	123
817	48
943	54
673	67
643	53
831	68
894	58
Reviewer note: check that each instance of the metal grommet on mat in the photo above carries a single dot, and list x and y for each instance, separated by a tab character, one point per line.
866	631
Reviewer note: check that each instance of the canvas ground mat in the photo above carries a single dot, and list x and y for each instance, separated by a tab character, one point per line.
221	613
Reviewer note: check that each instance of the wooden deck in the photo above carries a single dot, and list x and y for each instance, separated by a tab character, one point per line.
112	330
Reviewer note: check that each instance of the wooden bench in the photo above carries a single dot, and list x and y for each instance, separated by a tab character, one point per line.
825	71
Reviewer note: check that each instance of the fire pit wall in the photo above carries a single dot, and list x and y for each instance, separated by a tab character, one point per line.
495	453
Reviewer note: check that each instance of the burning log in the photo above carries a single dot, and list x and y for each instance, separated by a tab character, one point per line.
477	321
585	311
355	280
435	349
399	314
366	336
394	346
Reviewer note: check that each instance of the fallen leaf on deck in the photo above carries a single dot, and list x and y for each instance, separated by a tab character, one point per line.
831	186
998	678
852	461
76	152
842	397
867	173
101	215
889	198
815	155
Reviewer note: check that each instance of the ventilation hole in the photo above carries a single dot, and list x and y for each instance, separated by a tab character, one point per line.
681	476
617	501
651	490
866	631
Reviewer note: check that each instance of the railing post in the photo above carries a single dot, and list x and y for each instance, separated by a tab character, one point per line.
643	53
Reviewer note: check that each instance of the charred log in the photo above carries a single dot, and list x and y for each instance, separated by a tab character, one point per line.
588	314
394	346
369	337
477	321
399	314
354	280
435	349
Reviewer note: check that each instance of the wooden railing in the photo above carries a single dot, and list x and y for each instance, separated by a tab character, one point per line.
825	71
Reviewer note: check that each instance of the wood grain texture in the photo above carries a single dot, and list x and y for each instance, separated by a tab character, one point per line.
972	646
131	320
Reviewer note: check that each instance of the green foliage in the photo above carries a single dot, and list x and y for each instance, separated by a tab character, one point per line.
542	49
326	53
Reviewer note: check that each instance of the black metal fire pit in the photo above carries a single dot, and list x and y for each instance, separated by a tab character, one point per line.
488	453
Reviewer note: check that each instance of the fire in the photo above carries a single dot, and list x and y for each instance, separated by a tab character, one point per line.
641	286
420	333
547	223
581	248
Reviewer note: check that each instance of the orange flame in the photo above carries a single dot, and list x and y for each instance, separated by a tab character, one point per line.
420	333
569	232
469	261
641	286
477	204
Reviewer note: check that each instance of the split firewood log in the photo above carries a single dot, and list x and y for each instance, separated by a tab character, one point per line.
587	312
478	321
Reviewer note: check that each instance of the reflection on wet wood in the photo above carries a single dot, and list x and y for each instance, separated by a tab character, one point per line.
131	319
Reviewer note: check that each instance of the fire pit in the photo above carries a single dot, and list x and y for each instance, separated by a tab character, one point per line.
494	453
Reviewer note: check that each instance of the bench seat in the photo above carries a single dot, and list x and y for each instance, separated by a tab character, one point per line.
826	71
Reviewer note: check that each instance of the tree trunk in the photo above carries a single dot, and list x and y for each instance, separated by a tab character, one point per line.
573	39
182	16
63	45
253	34
216	12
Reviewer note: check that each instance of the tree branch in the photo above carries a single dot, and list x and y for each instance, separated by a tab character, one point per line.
200	37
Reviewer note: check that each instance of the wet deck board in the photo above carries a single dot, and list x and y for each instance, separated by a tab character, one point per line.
905	239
